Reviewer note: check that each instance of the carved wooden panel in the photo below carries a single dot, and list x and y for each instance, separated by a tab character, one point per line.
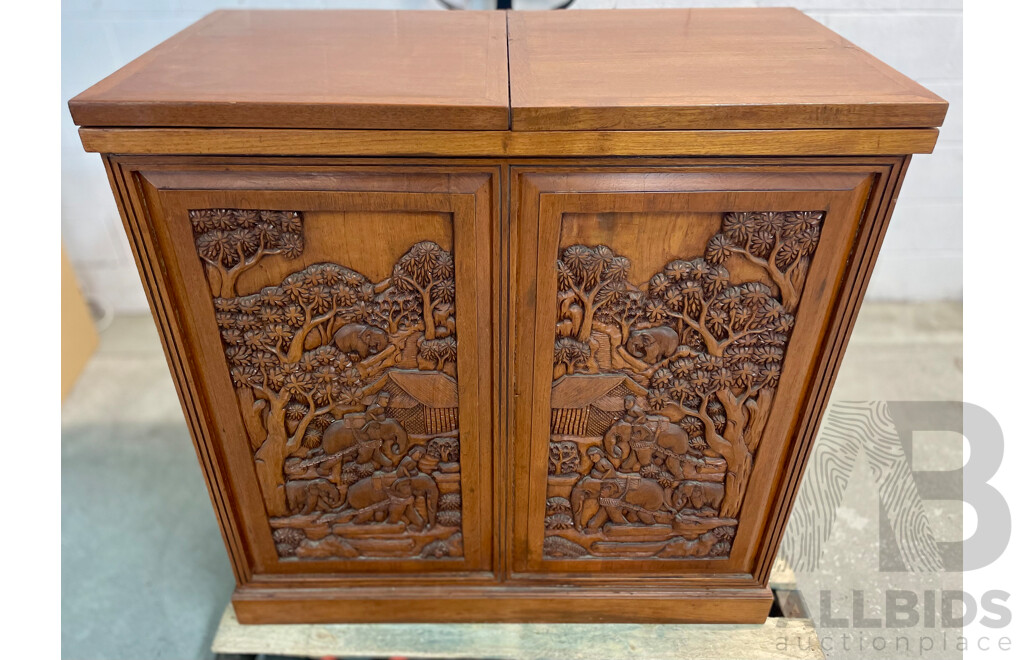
347	387
662	386
666	322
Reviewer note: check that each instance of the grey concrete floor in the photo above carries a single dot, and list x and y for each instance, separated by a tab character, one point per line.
144	573
897	353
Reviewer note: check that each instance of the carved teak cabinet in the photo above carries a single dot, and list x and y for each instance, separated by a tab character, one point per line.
486	316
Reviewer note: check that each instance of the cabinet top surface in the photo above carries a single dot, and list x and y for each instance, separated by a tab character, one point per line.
528	71
315	69
703	69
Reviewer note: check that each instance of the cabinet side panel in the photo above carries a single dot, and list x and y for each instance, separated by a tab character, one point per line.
154	280
877	213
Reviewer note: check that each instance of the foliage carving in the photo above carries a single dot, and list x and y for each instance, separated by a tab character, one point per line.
231	241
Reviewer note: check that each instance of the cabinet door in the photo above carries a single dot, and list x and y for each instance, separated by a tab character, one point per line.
670	330
334	327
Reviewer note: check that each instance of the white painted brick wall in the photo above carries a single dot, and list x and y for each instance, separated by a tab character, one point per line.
922	258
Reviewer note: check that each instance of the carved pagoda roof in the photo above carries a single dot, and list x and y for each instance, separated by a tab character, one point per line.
409	388
582	390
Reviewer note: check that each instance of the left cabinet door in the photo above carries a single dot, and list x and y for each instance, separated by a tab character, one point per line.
329	328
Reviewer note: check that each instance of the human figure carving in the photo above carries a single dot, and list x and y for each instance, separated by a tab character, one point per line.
409	465
630	440
379	441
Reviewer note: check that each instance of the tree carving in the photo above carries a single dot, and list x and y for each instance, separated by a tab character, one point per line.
265	335
437	353
625	309
563	458
429	272
396	311
570	355
231	241
781	243
665	386
737	337
589	280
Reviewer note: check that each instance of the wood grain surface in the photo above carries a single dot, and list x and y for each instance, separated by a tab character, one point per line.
701	68
314	69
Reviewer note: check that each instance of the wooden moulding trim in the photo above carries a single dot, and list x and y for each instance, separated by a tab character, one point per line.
664	581
878	212
378	116
500	605
169	335
499	409
412	143
923	114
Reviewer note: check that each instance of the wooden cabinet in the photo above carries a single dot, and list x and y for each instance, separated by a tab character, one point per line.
443	363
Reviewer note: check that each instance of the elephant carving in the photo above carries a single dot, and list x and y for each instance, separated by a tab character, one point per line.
363	340
586	491
702	496
616	441
379	500
389	436
676	444
620	500
341	436
383	498
307	495
653	344
641	442
380	439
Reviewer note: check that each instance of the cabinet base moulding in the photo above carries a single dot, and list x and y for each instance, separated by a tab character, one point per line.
578	604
